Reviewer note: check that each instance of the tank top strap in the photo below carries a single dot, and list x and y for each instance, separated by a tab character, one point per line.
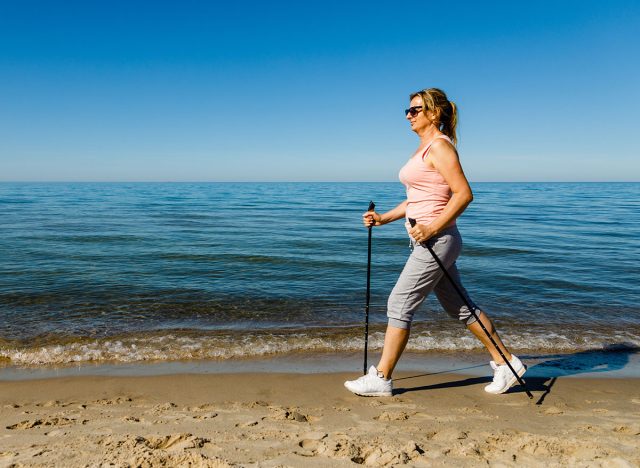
439	137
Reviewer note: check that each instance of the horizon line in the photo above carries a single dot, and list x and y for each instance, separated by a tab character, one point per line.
301	181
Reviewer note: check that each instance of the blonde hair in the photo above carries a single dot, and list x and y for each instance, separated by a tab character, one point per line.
446	111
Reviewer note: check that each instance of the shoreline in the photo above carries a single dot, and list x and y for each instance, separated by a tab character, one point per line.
296	419
620	363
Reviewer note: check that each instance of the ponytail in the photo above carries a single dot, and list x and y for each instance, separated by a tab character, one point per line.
449	125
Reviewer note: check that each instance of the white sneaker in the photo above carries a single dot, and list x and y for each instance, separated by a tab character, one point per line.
371	384
503	378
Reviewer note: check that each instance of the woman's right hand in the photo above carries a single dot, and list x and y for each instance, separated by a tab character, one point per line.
371	218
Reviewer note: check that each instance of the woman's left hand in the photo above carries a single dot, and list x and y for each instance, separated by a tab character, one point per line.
421	233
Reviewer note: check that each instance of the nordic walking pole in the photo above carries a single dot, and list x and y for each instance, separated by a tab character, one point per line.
473	312
372	206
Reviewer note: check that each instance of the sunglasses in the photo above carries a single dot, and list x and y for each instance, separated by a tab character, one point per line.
412	111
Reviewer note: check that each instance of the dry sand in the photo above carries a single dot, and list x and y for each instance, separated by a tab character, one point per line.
311	420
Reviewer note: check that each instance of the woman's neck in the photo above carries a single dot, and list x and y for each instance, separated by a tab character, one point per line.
428	135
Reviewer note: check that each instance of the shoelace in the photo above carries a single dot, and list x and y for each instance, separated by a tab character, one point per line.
498	370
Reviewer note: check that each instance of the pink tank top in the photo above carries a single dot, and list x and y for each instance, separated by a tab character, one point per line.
427	191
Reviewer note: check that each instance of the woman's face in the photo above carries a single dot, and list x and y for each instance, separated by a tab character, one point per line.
419	122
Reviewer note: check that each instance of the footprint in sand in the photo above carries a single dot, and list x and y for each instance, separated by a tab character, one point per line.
283	414
164	407
113	401
168	450
49	404
39	453
341	446
627	430
589	427
30	424
205	407
255	404
179	459
53	403
375	403
392	416
469	410
312	443
369	454
132	419
247	424
202	417
172	442
384	455
342	409
449	434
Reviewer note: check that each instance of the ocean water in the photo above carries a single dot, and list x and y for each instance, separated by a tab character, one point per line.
132	272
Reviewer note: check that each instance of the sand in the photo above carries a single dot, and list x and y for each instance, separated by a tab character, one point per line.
256	419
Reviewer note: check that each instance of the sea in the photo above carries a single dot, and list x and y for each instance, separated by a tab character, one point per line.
108	273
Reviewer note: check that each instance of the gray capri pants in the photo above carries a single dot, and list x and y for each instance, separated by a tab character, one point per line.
421	275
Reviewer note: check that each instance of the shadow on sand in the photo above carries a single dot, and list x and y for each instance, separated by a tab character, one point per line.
543	375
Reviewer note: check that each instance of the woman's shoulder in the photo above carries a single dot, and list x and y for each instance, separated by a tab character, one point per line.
442	141
442	147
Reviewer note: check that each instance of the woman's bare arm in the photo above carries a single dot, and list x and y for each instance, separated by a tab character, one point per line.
371	218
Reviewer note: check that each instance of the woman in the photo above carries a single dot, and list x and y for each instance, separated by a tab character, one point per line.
437	193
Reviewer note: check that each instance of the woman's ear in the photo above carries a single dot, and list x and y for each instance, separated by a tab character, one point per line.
433	116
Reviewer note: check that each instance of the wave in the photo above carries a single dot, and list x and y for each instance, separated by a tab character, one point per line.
179	345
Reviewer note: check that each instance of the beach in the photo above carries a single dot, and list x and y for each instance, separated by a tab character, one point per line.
212	213
296	419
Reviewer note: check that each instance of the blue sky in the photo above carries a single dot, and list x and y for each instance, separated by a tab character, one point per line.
306	91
